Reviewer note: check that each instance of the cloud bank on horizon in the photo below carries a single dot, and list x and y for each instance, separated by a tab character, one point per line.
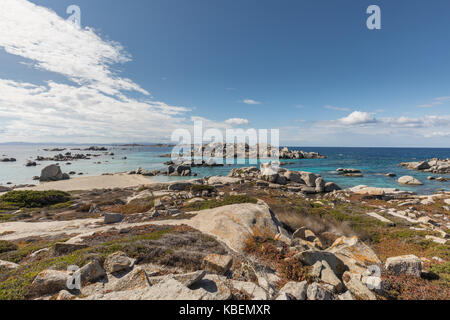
93	103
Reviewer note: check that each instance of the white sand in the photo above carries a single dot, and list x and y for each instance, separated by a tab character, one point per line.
120	180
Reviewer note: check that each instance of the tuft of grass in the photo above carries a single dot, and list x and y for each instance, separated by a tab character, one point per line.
213	203
63	205
6	217
275	254
442	270
7	246
32	199
201	187
404	287
135	206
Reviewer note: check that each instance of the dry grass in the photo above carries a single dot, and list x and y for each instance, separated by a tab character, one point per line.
276	255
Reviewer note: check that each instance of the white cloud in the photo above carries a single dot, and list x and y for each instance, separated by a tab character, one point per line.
237	121
437	134
59	112
428	121
94	105
442	98
358	118
53	44
436	101
251	101
336	108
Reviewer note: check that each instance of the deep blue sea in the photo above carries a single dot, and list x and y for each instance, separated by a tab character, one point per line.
372	161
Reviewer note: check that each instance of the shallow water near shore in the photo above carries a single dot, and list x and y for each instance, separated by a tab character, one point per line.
374	162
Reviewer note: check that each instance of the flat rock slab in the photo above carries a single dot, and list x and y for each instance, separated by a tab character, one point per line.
381	218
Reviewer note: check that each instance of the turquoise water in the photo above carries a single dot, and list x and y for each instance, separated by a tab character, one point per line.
372	161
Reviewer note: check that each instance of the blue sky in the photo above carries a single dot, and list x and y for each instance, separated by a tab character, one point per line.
310	68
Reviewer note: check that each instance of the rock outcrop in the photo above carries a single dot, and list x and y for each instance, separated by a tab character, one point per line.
408	180
234	224
285	153
439	166
350	172
298	181
409	265
53	173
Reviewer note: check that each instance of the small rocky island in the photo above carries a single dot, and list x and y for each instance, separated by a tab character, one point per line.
439	166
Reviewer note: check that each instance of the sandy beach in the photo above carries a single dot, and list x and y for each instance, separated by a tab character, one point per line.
120	180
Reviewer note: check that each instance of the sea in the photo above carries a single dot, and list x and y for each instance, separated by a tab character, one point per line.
373	162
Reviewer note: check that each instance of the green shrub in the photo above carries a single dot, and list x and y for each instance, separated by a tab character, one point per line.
442	270
213	203
33	199
201	187
6	246
6	217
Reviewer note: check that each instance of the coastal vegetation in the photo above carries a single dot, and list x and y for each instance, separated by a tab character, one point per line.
214	203
32	199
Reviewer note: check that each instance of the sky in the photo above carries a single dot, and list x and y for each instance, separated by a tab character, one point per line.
135	70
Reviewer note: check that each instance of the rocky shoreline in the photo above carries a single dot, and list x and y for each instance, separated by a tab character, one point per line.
257	234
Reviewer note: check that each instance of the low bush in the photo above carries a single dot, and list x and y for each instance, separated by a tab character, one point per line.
6	246
214	203
33	199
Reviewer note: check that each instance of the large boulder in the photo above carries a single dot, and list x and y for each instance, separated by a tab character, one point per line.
135	279
8	265
308	236
421	166
117	261
320	185
331	186
218	263
48	282
91	272
209	288
187	279
309	178
267	169
409	265
180	186
294	177
51	173
110	218
250	288
311	257
223	180
356	287
318	292
296	290
408	180
234	224
4	189
328	276
355	255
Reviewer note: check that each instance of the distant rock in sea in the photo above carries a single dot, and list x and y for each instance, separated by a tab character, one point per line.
441	166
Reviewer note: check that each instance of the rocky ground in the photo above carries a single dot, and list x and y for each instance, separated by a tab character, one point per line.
256	234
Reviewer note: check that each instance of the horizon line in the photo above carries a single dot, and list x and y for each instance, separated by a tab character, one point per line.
168	143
